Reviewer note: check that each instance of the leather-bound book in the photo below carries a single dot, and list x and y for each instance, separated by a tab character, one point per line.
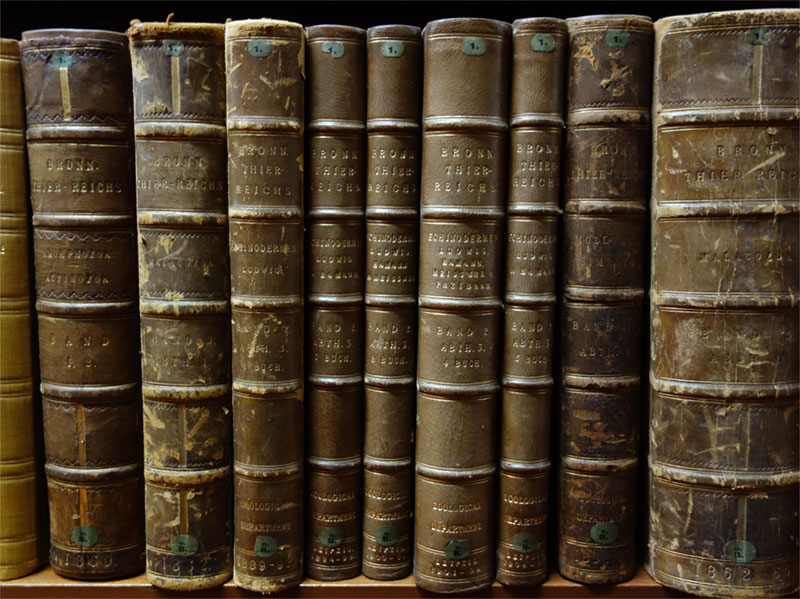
335	56
724	465
265	91
19	528
539	48
181	200
607	184
464	147
80	156
394	78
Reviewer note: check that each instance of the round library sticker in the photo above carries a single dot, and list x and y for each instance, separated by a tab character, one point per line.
259	48
392	49
386	536
457	549
335	49
85	536
617	38
62	59
183	545
543	42
604	533
330	536
473	46
172	47
523	542
740	551
266	546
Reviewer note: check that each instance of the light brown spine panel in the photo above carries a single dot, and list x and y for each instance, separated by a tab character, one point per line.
724	465
181	184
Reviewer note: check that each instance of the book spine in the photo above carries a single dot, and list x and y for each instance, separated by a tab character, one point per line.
335	314
464	145
19	528
394	70
181	160
725	337
534	184
606	190
265	93
77	86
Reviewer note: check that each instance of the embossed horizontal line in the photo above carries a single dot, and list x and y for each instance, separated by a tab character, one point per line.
711	112
455	475
282	214
528	383
599	466
605	296
99	224
388	382
321	380
725	392
261	471
266	124
334	464
185	394
729	300
536	121
537	468
338	300
453	305
338	213
608	114
633	207
265	303
340	125
184	219
391	214
187	476
539	212
81	308
487	124
730	482
611	383
387	465
173	129
743	208
377	300
290	390
88	475
85	393
455	391
64	132
393	125
530	300
460	214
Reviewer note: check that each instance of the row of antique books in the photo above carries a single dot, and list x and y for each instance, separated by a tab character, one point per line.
377	272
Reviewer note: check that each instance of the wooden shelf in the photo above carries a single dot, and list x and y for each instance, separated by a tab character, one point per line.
46	583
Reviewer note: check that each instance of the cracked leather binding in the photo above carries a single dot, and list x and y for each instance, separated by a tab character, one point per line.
394	69
77	90
19	528
464	145
181	160
539	48
606	188
335	314
265	92
724	371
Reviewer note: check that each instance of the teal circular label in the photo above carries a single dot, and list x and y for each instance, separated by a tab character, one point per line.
335	49
543	42
604	533
523	542
183	545
172	47
386	536
62	59
259	48
393	49
84	536
331	536
266	546
757	36
740	551
457	549
473	46
617	38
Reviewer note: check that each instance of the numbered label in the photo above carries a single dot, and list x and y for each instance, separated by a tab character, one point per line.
266	546
473	46
183	545
604	533
259	48
458	549
617	38
62	59
757	36
331	537
393	49
172	47
740	551
386	536
543	42
523	542
84	536
335	49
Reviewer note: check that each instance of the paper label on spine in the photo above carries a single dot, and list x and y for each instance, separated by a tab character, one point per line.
85	536
543	42
473	46
335	49
617	38
740	551
331	536
266	546
458	549
259	48
183	545
172	47
392	49
604	533
757	36
523	542
386	536
62	59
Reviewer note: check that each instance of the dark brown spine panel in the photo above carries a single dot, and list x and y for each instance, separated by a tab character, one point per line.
77	85
394	78
724	380
464	145
606	188
335	314
265	96
181	183
539	49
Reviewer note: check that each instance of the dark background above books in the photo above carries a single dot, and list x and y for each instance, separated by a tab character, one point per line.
17	16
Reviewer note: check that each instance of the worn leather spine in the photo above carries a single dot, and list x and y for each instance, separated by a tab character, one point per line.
77	90
265	73
539	49
181	183
335	144
464	148
724	444
394	70
609	69
19	528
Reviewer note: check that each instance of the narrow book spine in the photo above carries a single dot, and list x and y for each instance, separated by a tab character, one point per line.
77	86
464	146
605	198
725	344
335	313
265	92
539	48
19	529
181	160
394	71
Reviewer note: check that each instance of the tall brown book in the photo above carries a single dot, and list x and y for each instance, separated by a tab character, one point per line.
265	92
464	146
336	62
181	200
724	465
605	199
19	526
394	74
539	47
77	89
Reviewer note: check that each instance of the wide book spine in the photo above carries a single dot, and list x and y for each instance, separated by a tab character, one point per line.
394	69
77	88
335	293
19	526
181	185
725	345
464	147
539	47
265	92
607	152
